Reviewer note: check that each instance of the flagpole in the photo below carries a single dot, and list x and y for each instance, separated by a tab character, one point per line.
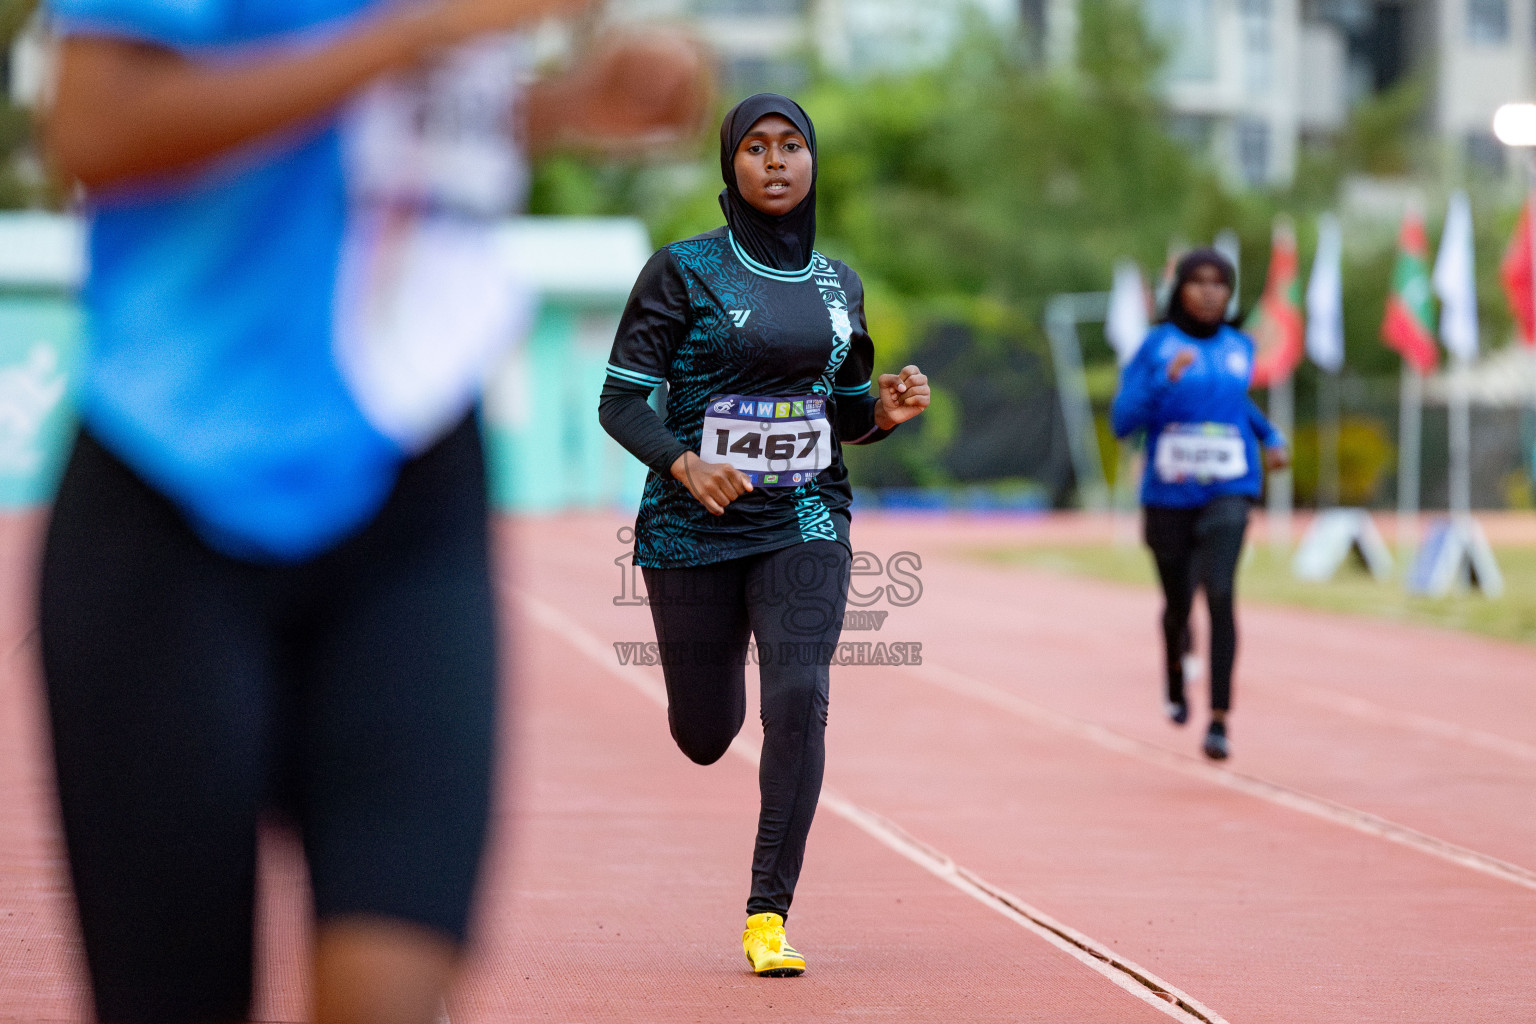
1530	230
1455	283
1325	344
1282	414
1410	421
1459	429
1328	484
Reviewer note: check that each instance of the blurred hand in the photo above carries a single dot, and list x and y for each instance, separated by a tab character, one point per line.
455	21
902	396
653	82
1277	458
650	87
1181	361
714	484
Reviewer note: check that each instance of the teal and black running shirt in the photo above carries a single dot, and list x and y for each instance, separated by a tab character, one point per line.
771	357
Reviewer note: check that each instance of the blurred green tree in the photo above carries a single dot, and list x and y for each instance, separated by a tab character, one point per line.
968	193
17	187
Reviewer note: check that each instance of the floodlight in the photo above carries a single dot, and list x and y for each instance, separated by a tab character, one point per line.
1515	124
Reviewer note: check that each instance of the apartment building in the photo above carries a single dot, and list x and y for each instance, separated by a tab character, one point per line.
1231	83
1482	54
1472	55
771	43
1229	79
1246	80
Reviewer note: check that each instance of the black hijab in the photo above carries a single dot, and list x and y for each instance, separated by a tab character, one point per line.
1182	273
783	243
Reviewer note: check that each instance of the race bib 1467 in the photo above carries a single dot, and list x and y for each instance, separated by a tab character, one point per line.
1202	452
776	442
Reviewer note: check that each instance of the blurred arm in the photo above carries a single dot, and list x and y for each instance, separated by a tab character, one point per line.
1142	385
655	320
1264	430
627	416
124	109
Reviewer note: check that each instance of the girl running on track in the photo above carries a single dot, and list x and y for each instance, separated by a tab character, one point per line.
743	527
266	583
1187	387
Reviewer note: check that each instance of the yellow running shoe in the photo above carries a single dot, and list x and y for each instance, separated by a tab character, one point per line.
768	951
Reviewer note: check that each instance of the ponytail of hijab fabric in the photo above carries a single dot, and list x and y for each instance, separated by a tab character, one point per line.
784	242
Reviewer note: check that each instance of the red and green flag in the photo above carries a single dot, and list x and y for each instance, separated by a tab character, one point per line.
1275	323
1516	272
1409	325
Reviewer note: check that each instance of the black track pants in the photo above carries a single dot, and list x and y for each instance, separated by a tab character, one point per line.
792	602
191	693
1199	547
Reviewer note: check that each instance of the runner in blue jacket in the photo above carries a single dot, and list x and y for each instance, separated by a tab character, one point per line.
1207	448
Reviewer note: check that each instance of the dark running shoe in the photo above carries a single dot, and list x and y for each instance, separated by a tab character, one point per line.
1216	741
1178	711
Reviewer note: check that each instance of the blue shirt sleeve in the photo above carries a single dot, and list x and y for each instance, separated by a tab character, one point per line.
1264	430
174	23
1142	385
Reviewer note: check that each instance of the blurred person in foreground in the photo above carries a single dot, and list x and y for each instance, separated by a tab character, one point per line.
743	527
266	584
1187	387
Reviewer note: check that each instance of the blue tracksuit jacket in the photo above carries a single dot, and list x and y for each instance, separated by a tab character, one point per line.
1203	432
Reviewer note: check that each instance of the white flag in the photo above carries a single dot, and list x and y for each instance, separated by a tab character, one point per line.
1229	245
1455	281
1127	325
1325	297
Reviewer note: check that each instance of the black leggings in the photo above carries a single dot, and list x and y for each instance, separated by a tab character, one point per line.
190	693
792	602
1199	547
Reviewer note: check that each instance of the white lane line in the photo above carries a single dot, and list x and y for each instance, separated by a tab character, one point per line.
1376	714
1134	979
1284	796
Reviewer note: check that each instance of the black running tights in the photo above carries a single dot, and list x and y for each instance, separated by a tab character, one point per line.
191	694
792	602
1199	547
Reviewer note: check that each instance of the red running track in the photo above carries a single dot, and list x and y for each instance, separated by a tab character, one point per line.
1368	855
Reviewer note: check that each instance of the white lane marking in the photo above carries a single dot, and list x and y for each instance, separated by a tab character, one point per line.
1134	979
1125	973
1376	714
1275	793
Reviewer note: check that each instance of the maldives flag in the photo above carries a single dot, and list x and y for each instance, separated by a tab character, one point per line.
1275	323
1516	273
1409	325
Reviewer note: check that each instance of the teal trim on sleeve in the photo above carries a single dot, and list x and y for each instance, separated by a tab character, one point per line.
633	376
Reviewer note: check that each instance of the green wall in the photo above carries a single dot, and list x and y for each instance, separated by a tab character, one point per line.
545	449
39	347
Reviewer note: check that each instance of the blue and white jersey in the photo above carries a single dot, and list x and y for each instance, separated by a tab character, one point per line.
273	334
1203	432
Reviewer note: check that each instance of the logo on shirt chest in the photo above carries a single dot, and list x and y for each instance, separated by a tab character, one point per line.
739	316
